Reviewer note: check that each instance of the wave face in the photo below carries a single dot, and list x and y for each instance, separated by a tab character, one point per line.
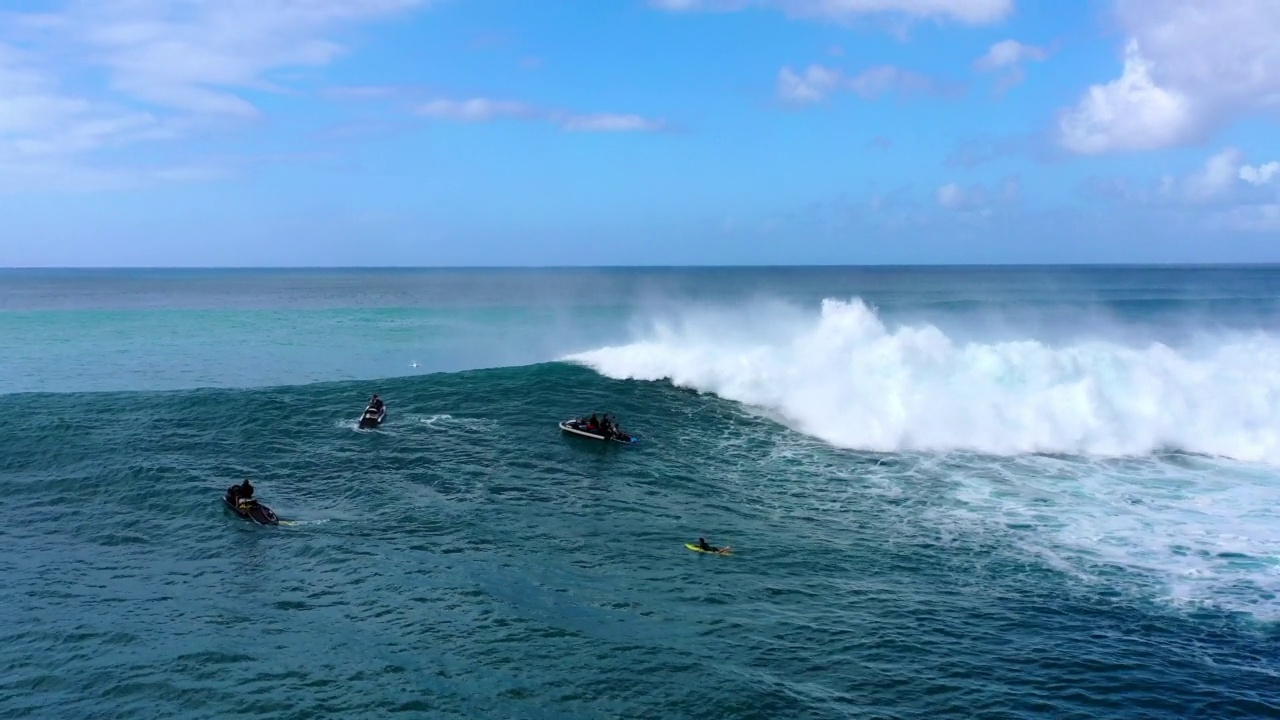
849	378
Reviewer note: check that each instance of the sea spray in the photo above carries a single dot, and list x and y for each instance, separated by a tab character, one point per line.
852	380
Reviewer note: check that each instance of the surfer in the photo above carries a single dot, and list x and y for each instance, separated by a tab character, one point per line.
703	546
609	428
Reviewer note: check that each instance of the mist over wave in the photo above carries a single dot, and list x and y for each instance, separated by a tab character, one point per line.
851	379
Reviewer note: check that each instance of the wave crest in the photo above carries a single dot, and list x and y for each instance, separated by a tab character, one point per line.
853	381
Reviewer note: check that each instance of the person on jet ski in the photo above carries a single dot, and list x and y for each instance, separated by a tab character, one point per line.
240	493
375	403
612	430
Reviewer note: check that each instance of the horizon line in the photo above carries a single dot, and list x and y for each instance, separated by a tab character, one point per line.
1206	264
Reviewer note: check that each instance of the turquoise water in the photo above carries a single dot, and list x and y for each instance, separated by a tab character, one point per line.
951	493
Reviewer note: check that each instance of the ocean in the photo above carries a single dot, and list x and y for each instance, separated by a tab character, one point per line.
1005	492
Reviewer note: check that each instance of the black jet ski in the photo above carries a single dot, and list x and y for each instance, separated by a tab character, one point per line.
251	509
372	416
580	427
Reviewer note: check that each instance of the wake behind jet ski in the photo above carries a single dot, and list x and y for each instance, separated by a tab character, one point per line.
598	428
241	501
374	413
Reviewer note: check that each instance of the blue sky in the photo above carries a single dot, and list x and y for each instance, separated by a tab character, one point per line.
616	132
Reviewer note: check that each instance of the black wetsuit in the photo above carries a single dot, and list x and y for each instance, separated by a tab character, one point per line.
239	493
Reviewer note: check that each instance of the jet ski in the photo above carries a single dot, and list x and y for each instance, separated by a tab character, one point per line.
580	427
251	509
372	416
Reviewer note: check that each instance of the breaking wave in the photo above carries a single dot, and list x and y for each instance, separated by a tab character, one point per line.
851	379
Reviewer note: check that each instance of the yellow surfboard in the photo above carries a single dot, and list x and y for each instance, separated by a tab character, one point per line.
695	548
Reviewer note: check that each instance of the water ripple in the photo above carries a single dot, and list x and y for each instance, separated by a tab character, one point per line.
467	560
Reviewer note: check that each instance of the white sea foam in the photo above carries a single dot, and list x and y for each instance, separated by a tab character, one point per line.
1208	531
848	378
444	420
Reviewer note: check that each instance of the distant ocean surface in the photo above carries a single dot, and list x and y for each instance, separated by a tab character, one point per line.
950	492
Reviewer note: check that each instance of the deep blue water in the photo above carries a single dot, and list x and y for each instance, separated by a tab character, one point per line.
988	492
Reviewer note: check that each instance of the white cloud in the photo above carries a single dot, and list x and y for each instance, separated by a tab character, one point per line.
34	110
1009	52
609	122
814	85
818	82
1261	174
44	131
1190	68
1130	113
1219	180
699	5
974	12
1223	194
106	74
1263	218
977	197
475	110
951	196
199	55
1216	178
884	79
1009	55
96	75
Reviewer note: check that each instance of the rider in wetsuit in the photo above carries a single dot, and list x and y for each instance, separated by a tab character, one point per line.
705	547
239	494
612	430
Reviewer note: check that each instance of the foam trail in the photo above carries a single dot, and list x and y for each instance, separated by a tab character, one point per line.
849	379
1207	531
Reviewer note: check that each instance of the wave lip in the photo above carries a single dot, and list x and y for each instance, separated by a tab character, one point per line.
851	380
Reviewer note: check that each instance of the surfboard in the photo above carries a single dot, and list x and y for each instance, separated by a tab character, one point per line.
695	548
